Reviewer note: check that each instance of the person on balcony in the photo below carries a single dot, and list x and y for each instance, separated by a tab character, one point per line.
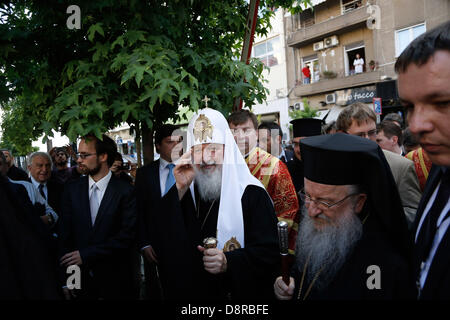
358	63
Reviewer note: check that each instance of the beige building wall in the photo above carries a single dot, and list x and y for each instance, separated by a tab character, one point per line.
379	43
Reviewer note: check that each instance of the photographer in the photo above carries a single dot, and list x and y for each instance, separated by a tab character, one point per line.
120	170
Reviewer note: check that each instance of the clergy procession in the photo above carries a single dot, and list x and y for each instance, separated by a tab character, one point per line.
228	214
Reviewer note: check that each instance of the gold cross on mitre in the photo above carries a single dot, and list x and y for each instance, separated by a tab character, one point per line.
205	100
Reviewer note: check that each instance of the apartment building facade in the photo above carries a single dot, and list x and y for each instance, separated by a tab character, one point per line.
271	50
332	35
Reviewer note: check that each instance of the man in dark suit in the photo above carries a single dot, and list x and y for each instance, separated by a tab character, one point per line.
51	189
23	243
152	181
97	226
270	138
423	77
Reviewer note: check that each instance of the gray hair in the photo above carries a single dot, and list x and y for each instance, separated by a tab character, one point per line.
40	154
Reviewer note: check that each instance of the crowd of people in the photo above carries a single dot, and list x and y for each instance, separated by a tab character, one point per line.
366	206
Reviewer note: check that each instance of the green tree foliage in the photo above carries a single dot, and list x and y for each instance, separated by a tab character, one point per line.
132	61
307	111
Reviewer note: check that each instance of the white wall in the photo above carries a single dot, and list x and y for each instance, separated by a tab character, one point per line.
276	77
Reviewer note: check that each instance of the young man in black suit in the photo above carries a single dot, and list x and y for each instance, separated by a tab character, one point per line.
97	226
152	181
423	77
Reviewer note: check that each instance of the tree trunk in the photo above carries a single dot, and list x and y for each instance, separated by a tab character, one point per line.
147	143
138	144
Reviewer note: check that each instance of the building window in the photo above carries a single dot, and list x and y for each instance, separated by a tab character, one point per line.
350	5
405	36
355	58
305	19
311	63
268	52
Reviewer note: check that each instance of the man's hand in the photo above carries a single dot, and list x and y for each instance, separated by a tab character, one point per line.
282	291
72	258
150	254
46	219
214	260
69	294
184	174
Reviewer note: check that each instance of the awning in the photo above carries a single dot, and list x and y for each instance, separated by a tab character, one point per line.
333	113
313	2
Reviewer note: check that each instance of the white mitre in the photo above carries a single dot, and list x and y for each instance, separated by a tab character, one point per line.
210	126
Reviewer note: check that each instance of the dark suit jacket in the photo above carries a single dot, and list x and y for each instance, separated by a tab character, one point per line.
437	284
148	197
15	173
55	192
22	246
106	246
289	155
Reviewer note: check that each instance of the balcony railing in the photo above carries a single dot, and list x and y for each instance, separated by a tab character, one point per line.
340	82
345	22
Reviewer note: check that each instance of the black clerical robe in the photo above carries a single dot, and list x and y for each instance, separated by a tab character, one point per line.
250	270
296	171
372	256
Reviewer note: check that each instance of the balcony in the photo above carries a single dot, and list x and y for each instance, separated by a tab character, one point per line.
337	25
339	83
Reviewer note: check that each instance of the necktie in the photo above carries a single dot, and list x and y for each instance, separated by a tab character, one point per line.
94	202
429	226
41	191
170	181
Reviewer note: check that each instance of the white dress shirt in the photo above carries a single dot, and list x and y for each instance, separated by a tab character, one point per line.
163	174
37	184
35	196
442	226
102	184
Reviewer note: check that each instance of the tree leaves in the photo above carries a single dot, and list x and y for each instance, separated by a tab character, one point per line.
133	61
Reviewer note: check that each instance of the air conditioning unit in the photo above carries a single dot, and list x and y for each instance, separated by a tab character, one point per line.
331	41
298	106
318	46
330	98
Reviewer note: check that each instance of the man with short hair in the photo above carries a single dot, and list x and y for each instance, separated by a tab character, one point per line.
41	177
40	206
216	196
358	119
61	172
270	138
14	173
395	118
152	183
423	85
271	171
97	226
353	241
390	137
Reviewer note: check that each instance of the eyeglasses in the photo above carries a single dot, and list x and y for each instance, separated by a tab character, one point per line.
369	134
85	155
322	205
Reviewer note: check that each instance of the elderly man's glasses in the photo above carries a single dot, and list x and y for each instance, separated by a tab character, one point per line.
322	205
84	155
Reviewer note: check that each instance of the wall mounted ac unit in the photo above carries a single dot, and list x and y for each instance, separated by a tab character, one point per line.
318	46
298	106
331	41
330	98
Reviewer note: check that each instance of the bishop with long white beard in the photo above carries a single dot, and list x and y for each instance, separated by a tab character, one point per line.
353	242
215	195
